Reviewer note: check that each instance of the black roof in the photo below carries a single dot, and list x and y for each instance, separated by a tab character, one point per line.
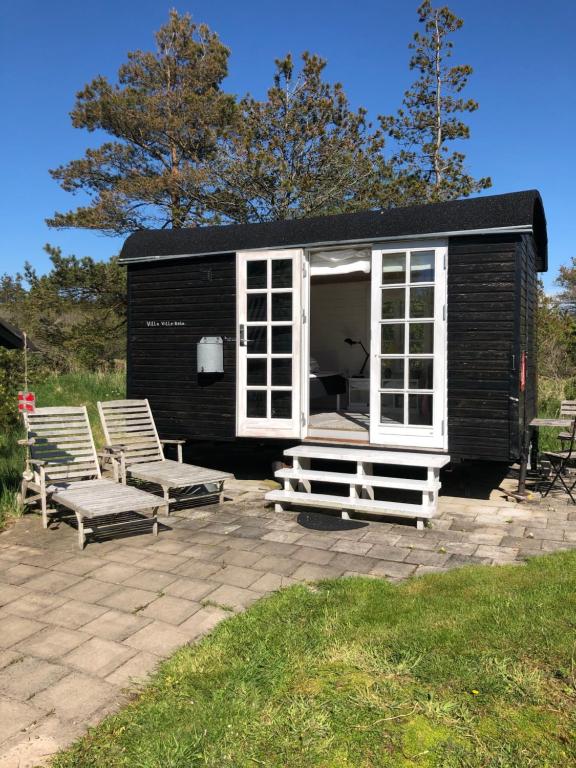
512	211
12	337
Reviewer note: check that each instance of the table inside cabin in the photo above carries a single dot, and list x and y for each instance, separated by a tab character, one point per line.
536	423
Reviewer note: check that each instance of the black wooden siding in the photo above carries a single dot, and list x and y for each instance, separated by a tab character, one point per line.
528	304
482	356
491	314
201	294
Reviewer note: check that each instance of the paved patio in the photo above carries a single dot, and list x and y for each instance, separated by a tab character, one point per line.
77	629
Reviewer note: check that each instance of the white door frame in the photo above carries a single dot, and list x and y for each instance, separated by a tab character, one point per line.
265	425
432	436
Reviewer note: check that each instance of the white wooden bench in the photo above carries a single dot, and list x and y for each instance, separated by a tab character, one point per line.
138	452
62	466
360	496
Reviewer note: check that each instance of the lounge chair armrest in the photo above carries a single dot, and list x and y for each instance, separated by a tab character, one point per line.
37	462
26	441
114	448
177	443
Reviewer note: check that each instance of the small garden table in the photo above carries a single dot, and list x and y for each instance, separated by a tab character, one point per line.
535	424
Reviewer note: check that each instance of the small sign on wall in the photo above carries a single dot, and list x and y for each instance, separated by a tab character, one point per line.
26	402
523	372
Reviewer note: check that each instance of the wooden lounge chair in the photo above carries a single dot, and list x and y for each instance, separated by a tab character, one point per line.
138	453
62	466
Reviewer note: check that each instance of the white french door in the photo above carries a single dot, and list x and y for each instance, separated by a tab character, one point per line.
269	343
408	346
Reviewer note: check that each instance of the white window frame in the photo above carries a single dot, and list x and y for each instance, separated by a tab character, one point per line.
406	435
268	427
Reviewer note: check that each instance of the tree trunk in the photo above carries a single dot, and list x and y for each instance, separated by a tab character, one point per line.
438	127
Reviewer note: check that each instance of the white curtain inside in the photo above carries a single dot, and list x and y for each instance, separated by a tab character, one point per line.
340	262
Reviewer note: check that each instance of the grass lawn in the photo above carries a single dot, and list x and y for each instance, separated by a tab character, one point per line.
83	388
473	668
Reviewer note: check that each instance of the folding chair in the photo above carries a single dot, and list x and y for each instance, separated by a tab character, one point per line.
561	461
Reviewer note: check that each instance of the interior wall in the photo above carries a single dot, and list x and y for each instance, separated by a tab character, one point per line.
339	310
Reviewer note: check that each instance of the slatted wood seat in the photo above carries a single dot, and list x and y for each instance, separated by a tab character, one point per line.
567	411
138	452
62	466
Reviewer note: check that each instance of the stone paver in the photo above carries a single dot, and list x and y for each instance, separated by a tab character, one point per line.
172	610
115	625
77	629
13	629
157	637
98	656
75	697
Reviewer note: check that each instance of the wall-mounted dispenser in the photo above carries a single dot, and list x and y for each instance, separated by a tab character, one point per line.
210	354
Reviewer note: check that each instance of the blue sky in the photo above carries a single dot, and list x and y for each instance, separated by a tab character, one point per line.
521	51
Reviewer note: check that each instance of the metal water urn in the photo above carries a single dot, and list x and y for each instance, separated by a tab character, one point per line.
210	354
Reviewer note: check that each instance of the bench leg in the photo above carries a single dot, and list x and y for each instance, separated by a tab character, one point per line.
345	515
278	508
420	524
166	494
81	534
155	521
44	505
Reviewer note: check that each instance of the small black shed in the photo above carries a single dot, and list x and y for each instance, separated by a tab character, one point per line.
411	328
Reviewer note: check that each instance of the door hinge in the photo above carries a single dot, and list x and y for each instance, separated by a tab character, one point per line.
302	419
443	427
303	269
444	312
445	260
304	317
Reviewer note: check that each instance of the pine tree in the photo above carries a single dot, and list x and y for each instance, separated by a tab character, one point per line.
75	313
165	117
301	152
425	168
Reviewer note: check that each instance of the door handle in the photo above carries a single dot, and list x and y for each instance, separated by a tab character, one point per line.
243	339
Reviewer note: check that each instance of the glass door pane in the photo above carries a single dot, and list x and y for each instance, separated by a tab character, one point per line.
408	332
269	299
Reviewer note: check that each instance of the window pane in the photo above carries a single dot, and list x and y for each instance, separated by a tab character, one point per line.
256	372
256	404
282	372
393	304
257	306
392	409
281	405
422	302
257	337
393	339
420	409
422	267
256	274
392	374
421	374
281	273
393	268
281	306
421	338
282	339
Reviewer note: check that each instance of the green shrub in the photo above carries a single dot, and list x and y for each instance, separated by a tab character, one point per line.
570	389
11	381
